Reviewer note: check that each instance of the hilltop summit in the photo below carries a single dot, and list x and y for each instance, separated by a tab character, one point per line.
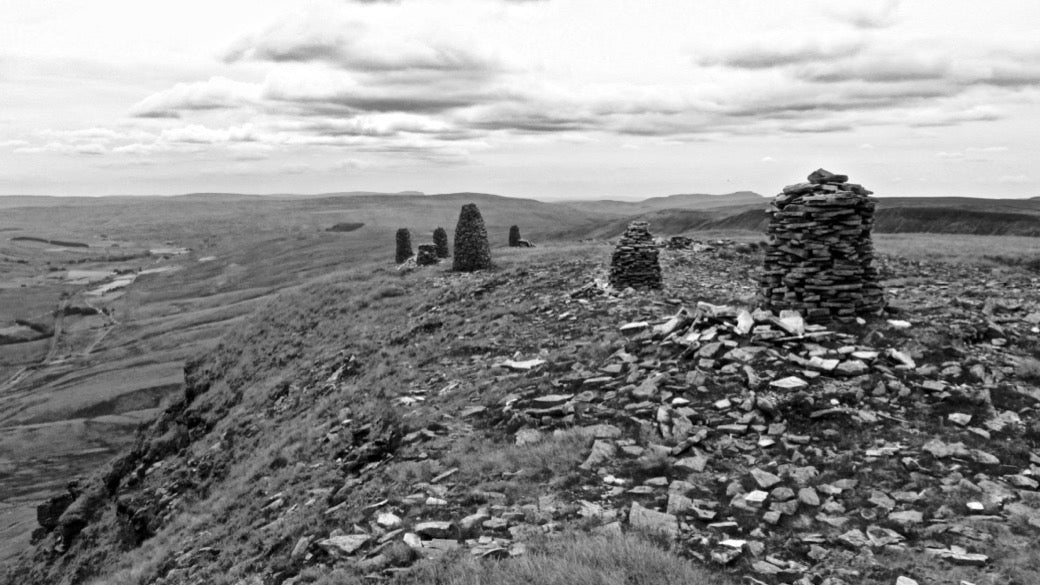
432	425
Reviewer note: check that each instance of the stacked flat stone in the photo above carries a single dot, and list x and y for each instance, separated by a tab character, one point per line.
634	263
819	260
404	245
440	240
472	250
427	255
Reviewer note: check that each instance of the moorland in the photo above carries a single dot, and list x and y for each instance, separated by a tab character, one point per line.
104	301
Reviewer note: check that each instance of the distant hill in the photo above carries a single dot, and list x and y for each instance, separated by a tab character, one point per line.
948	215
681	201
422	213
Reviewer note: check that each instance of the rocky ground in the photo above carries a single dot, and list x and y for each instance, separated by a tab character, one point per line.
533	400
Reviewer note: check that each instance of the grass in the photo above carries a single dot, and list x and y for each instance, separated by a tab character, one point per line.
1028	369
530	468
569	559
276	422
959	248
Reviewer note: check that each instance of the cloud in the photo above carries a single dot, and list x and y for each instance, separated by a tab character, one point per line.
767	159
879	68
779	52
338	38
215	93
198	134
817	127
92	148
972	153
869	14
95	134
13	143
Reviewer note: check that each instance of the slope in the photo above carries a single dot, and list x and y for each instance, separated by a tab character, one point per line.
431	427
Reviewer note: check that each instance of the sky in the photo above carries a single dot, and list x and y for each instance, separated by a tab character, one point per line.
548	99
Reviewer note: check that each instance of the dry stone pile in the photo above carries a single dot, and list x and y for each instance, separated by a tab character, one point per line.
440	240
427	255
634	263
472	251
819	260
404	245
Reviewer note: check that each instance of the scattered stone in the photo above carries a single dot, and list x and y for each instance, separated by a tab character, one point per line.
764	479
906	518
602	451
388	520
653	521
344	545
789	383
433	529
808	496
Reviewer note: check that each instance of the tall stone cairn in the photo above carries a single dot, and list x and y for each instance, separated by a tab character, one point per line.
427	255
819	260
440	240
634	263
514	236
472	251
404	245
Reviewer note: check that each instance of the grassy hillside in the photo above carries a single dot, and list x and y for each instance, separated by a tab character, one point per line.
375	425
894	215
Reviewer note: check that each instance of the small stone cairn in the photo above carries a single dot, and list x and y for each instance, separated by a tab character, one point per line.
472	250
440	240
404	245
819	260
427	255
634	263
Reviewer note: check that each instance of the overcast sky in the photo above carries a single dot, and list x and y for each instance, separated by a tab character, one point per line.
538	98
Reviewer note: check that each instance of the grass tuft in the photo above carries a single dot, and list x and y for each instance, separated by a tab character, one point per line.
570	559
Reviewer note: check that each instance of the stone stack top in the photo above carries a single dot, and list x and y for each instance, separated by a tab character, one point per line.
635	263
820	257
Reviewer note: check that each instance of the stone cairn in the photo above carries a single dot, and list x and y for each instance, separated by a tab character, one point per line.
427	255
404	245
819	260
634	263
440	240
514	236
472	251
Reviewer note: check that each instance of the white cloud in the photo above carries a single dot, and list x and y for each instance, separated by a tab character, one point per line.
92	148
215	93
198	134
780	50
865	14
